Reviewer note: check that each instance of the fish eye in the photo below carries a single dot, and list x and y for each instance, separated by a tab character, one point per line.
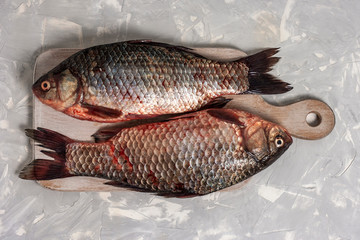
279	142
45	85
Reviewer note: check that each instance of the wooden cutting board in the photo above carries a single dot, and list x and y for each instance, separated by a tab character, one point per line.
307	119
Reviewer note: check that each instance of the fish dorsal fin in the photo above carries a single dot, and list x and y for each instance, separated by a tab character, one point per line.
165	45
102	112
158	44
227	115
218	102
104	134
166	194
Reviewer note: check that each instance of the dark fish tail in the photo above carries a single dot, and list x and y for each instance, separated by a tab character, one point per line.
260	80
43	169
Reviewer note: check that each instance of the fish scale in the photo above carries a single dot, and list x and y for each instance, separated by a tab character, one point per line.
135	79
173	157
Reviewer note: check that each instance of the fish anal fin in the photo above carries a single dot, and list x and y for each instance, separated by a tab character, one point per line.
227	115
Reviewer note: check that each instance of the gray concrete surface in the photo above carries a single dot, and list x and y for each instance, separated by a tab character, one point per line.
311	192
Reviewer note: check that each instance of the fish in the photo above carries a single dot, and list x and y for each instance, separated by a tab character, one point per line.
141	79
190	155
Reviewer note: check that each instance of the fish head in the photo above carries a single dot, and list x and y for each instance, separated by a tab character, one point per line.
266	141
59	90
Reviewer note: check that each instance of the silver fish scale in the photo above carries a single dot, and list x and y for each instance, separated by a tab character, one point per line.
198	155
145	79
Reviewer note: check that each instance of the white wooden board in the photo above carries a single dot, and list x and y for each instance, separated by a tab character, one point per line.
292	117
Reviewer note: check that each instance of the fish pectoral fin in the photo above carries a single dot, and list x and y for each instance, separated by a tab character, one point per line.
102	112
227	115
165	194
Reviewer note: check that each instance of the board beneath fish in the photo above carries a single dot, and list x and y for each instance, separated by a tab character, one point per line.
292	117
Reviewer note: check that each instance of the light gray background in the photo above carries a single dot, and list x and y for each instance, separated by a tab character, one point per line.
312	192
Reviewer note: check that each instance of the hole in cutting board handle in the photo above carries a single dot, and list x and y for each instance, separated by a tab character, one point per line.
313	119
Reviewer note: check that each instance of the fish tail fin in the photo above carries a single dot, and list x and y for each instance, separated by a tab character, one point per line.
43	169
260	81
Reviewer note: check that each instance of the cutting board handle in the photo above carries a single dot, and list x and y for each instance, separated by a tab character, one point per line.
307	119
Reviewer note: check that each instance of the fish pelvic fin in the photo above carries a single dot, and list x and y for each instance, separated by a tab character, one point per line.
260	81
44	169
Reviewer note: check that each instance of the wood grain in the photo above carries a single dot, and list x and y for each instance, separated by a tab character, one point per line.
292	117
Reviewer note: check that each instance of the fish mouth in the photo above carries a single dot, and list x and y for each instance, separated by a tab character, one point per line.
289	139
273	158
267	160
35	88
